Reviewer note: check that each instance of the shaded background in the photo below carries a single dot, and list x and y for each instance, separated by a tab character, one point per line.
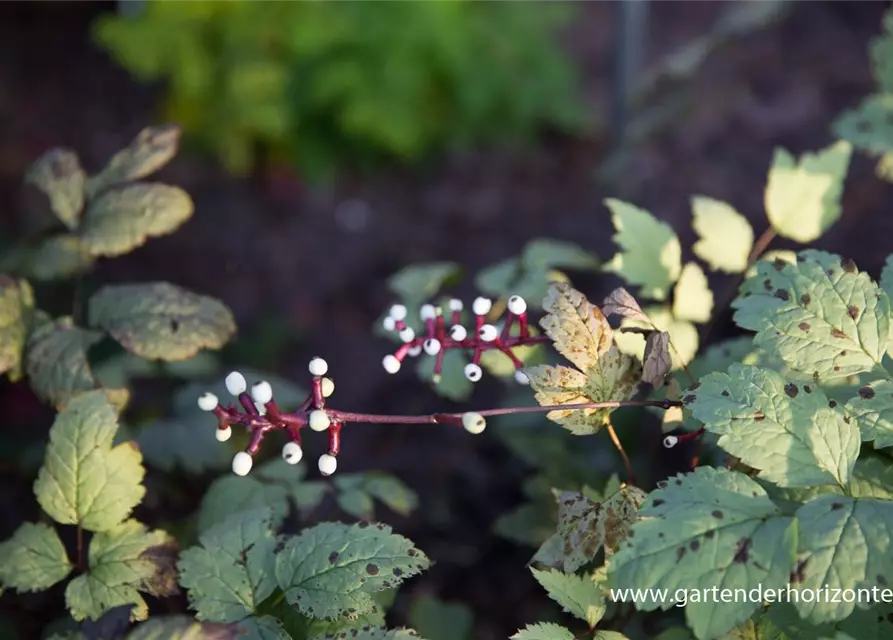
303	263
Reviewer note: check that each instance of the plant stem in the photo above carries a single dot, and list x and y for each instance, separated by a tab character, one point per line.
80	548
619	446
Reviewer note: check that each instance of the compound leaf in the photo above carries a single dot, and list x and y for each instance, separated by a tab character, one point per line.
580	596
804	442
161	321
122	219
544	631
56	360
725	237
121	565
692	297
33	559
151	149
650	254
180	627
821	316
84	480
232	571
16	309
59	175
726	531
845	543
802	197
868	125
331	569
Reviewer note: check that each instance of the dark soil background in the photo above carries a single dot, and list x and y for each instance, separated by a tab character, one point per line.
315	259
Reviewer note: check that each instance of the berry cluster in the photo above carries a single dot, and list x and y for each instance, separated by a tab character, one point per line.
439	338
259	414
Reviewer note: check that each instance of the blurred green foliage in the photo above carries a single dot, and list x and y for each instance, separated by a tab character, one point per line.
323	84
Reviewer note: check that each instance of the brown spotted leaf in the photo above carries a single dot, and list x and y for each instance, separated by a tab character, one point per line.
622	303
59	175
872	408
578	329
657	358
56	360
152	148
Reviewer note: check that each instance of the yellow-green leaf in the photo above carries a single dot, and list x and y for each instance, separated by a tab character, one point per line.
692	298
34	559
59	175
16	309
56	360
725	237
152	148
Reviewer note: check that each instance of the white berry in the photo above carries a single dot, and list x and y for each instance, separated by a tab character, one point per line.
521	377
261	409
481	306
318	367
389	323
456	305
262	392
207	401
391	364
319	420
224	434
473	422
473	372
671	441
415	351
488	333
292	453
427	312
431	346
458	333
407	335
235	383
327	386
517	305
398	312
327	464
242	463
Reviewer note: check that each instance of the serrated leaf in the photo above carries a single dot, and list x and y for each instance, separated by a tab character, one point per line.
262	628
804	441
821	316
650	254
543	631
120	220
622	303
725	237
585	526
420	282
232	571
844	543
160	320
331	569
874	623
16	310
376	634
319	629
33	559
59	175
657	362
802	197
119	569
692	297
180	627
720	356
151	149
439	620
306	494
873	410
84	480
232	494
56	360
868	125
725	531
580	596
173	443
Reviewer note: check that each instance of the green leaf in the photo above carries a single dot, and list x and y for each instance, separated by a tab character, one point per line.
804	441
844	543
650	254
170	444
55	258
872	478
420	282
232	494
544	631
120	220
182	628
887	276
725	531
720	356
692	297
306	494
868	126
317	629
84	480
121	565
760	629
873	410
161	321
16	310
543	254
289	396
803	197
438	620
262	628
452	383
725	237
357	491
873	623
609	635
59	175
498	279
331	569
152	148
232	571
821	316
580	596
33	559
376	634
585	526
880	50
56	360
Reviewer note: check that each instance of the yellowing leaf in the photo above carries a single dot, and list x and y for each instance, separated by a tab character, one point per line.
150	150
725	236
578	329
650	254
16	307
59	175
692	298
803	198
